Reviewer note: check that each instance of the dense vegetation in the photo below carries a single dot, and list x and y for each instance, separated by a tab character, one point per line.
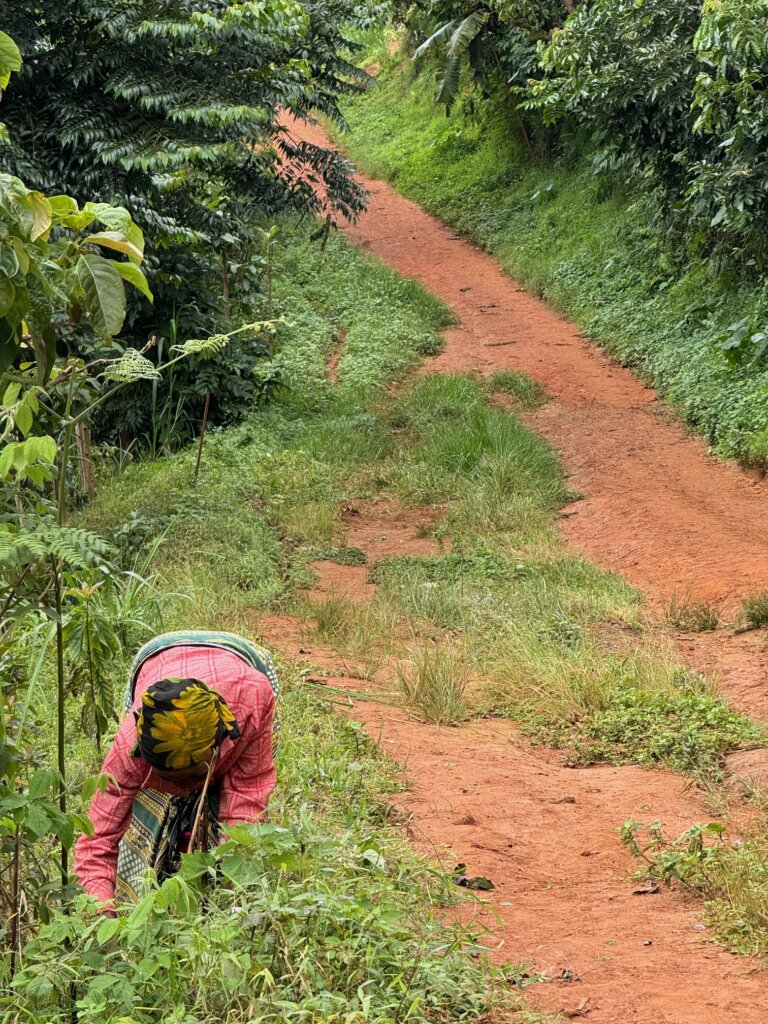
608	213
318	913
174	111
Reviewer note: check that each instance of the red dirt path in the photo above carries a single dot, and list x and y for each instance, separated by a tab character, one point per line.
676	522
546	835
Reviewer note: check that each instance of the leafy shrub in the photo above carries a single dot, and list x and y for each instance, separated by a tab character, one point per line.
306	921
731	875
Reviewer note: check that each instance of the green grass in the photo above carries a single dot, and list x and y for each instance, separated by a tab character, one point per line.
691	616
572	238
754	610
433	683
527	394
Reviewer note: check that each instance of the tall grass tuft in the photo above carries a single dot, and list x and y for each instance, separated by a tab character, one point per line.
334	618
691	616
754	610
434	684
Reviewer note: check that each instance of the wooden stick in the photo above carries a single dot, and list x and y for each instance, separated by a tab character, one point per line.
202	433
201	804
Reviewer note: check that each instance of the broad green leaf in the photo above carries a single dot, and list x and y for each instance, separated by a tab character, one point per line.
24	419
94	783
10	59
62	205
131	273
116	240
11	395
103	294
116	218
21	254
7	295
42	212
38	822
108	928
9	261
43	784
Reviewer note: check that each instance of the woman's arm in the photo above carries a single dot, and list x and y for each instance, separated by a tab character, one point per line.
110	814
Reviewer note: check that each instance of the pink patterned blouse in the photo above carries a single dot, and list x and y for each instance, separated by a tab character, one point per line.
245	769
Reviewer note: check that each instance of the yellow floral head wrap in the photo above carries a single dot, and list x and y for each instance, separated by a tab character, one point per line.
181	722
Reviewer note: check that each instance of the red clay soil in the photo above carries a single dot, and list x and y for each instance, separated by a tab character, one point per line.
676	522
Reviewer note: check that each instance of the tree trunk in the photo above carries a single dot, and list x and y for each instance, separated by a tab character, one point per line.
85	459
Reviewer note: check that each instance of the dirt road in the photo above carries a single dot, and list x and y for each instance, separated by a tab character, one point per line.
673	520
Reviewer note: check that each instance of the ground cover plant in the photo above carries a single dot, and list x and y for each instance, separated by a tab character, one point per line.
583	242
730	872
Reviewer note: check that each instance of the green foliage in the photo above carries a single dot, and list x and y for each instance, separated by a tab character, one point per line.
729	188
461	36
334	618
668	93
342	556
689	731
482	565
626	72
282	473
730	873
310	920
177	108
45	279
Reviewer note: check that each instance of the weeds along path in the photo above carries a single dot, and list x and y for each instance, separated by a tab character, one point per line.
544	833
674	520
